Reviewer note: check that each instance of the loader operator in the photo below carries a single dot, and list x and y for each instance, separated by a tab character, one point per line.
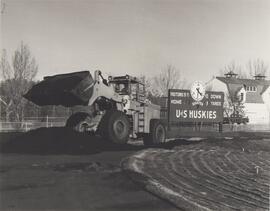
121	89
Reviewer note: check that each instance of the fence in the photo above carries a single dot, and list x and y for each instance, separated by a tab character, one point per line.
30	123
247	127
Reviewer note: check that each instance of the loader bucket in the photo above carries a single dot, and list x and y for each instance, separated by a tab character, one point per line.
65	89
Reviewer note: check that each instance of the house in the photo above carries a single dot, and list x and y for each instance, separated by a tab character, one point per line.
253	94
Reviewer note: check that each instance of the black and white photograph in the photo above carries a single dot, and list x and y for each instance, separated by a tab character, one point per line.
124	105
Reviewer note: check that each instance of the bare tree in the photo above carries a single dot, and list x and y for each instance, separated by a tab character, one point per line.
4	65
17	80
146	83
5	87
2	6
257	67
233	67
168	78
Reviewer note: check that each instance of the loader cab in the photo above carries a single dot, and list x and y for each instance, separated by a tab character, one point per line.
128	85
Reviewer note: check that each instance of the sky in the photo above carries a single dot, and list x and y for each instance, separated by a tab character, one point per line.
138	37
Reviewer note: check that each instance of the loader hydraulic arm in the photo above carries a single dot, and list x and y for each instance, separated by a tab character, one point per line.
103	89
103	79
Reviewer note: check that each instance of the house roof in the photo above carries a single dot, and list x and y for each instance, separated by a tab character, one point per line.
264	89
235	84
233	90
247	82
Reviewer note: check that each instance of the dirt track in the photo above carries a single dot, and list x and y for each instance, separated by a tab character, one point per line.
212	175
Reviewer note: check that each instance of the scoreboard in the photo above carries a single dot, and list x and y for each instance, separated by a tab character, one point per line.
184	107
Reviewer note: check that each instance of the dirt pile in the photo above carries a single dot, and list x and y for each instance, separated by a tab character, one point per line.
58	140
55	140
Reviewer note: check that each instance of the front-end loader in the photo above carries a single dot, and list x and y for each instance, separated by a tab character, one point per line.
115	108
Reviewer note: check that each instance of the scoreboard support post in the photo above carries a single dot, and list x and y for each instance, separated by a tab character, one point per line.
220	127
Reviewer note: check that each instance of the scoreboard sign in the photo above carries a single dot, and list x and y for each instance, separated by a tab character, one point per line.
195	105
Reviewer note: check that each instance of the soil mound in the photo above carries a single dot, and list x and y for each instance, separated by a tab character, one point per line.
55	140
58	140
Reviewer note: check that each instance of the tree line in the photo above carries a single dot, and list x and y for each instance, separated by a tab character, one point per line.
18	76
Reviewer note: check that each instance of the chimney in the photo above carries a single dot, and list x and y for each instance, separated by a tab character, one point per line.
259	77
230	74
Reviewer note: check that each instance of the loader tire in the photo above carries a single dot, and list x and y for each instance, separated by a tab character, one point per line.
78	121
157	133
115	127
